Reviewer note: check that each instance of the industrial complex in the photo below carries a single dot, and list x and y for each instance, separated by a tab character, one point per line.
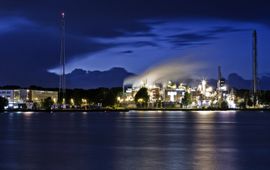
171	94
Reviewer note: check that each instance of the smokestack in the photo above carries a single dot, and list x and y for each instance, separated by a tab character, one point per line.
219	78
254	67
219	73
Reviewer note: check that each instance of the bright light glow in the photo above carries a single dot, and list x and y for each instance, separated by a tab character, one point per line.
129	90
208	94
172	94
203	86
224	88
27	113
231	103
199	87
203	82
140	100
204	113
72	101
209	89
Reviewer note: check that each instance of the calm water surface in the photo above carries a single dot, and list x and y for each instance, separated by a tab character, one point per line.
135	140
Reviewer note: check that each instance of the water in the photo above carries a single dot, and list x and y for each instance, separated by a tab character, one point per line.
135	140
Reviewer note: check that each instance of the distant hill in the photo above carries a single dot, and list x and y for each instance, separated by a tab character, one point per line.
78	78
236	81
114	77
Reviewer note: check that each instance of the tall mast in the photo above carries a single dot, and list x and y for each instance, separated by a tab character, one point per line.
62	80
254	67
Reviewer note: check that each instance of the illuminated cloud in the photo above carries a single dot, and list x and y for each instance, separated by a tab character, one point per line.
10	24
170	70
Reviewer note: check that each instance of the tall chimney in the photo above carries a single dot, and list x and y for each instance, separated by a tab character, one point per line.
219	73
219	78
254	67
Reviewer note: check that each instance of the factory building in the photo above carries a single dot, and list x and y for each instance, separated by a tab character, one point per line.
38	96
26	98
202	94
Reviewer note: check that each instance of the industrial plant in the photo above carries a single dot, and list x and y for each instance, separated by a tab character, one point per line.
193	94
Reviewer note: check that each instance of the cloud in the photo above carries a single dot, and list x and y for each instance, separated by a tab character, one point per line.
170	70
225	29
141	44
127	52
11	24
186	39
202	37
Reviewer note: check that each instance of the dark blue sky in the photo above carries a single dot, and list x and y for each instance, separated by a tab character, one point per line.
134	34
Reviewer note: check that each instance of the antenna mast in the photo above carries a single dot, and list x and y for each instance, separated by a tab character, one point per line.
254	67
62	79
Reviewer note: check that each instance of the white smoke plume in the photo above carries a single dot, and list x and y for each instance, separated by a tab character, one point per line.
170	70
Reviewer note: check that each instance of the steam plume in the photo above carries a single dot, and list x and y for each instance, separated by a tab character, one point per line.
174	70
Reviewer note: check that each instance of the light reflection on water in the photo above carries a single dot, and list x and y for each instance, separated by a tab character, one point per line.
135	140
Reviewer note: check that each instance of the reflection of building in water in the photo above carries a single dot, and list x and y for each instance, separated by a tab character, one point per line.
24	98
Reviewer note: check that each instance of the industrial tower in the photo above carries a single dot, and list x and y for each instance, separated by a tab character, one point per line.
221	87
219	78
254	67
62	79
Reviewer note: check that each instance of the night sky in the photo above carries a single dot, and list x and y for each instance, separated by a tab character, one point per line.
133	34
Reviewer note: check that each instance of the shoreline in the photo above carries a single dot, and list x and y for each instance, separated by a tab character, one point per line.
128	110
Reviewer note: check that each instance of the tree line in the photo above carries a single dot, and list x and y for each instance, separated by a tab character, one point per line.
106	97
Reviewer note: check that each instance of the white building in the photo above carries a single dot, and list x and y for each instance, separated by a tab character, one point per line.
21	98
15	97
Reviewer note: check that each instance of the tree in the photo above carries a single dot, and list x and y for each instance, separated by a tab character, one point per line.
249	102
110	99
264	97
47	103
223	104
187	99
142	97
242	105
3	103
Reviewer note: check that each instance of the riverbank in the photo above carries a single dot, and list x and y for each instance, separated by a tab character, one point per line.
137	109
